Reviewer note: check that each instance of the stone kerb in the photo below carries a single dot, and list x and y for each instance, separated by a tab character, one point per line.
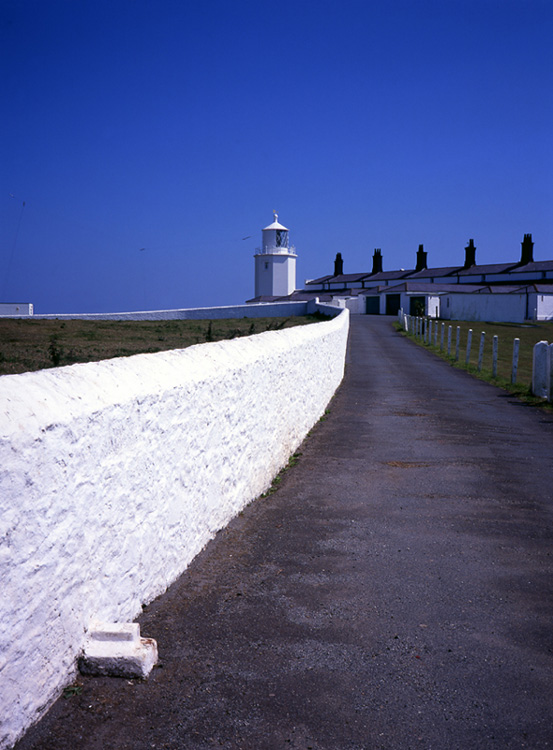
115	474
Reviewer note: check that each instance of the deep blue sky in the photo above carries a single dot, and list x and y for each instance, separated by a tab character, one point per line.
178	126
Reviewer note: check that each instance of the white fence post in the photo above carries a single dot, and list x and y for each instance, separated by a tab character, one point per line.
442	337
495	346
457	343
514	368
550	383
469	344
429	337
449	329
481	350
540	369
435	333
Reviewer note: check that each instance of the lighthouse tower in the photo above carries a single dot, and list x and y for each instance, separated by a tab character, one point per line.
275	263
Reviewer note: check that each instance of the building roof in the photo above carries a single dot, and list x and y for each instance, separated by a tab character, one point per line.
275	224
535	266
503	289
543	288
348	278
321	280
387	275
490	268
433	272
421	287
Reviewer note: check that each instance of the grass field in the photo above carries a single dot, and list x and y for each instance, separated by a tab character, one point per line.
27	344
528	334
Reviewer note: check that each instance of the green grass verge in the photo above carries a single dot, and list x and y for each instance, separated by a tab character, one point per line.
528	333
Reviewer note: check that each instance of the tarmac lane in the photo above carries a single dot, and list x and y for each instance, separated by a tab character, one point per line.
395	592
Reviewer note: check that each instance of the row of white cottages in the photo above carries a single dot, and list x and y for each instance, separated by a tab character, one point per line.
507	292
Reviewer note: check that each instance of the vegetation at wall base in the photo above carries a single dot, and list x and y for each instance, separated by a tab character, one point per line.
28	344
529	335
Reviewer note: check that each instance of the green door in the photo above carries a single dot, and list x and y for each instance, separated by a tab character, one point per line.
373	305
393	301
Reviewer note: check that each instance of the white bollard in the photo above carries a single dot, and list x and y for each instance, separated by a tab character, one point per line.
514	368
449	329
429	337
540	369
442	337
481	351
495	347
550	383
469	344
435	333
457	343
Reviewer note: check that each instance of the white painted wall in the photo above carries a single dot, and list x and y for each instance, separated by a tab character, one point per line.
115	474
262	310
16	309
433	306
356	305
275	274
541	306
506	308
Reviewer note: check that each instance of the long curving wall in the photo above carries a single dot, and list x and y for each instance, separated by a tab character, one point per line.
114	475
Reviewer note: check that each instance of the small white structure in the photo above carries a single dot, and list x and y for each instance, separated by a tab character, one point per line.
117	650
275	262
16	309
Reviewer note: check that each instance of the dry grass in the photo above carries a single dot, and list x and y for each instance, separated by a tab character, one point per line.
28	344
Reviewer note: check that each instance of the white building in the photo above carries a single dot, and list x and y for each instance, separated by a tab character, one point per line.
16	309
275	263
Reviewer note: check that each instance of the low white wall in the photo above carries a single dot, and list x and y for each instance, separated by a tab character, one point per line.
261	310
115	474
15	309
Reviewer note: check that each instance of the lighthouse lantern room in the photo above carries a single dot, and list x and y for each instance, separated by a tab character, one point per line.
275	262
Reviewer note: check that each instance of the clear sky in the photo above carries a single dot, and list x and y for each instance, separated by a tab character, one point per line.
147	138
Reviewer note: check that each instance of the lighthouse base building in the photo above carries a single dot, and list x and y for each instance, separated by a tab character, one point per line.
275	263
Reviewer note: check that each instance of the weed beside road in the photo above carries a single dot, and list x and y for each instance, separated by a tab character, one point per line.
33	344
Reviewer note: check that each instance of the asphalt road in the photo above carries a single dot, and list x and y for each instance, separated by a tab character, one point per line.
395	592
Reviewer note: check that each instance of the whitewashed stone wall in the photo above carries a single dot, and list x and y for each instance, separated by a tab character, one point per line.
16	309
114	475
260	310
